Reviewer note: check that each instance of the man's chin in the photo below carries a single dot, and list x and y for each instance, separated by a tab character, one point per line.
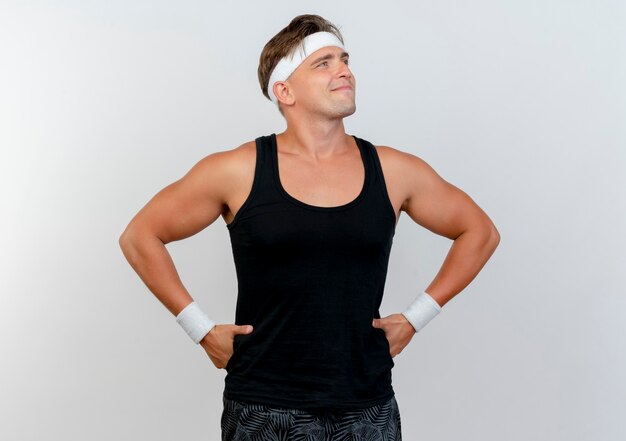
350	112
345	111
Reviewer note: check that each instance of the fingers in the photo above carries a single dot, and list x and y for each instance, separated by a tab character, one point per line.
220	359
236	329
244	329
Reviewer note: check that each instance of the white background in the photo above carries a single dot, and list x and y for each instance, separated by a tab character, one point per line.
521	104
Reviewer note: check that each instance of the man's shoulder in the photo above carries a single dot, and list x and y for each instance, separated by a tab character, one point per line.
396	158
230	160
387	150
221	172
233	153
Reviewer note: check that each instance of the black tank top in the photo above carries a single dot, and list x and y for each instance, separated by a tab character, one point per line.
310	281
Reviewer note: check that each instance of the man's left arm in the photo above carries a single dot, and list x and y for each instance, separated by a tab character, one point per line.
446	210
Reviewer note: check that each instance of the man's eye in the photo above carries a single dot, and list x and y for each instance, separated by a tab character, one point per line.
326	62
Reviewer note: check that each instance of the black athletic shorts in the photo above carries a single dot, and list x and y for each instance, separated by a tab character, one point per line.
258	422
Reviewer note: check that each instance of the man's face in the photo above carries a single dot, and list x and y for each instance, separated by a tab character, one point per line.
323	83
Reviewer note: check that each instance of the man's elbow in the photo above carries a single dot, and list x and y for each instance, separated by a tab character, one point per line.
124	238
130	241
493	236
128	238
487	233
125	242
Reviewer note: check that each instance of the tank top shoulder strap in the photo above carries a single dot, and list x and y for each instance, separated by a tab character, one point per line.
378	178
262	184
264	169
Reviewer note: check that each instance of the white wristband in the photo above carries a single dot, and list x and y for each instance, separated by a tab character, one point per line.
422	310
195	322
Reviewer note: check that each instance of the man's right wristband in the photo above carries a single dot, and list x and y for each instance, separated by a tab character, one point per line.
195	322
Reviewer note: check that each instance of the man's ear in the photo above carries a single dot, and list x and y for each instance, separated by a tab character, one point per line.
283	93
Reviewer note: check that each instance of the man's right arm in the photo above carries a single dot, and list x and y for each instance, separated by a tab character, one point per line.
178	211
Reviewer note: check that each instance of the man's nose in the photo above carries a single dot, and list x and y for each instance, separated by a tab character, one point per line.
344	70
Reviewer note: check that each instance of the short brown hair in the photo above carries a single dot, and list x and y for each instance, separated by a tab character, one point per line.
287	41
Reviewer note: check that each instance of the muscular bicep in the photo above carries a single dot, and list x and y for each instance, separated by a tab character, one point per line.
188	205
436	204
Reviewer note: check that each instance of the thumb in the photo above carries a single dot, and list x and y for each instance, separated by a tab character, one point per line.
375	323
244	329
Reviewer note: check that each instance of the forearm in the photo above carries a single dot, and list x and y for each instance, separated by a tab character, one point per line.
467	256
150	259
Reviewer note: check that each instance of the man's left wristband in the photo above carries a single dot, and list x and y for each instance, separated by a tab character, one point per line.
423	309
195	322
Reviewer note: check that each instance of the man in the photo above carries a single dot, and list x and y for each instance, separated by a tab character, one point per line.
311	214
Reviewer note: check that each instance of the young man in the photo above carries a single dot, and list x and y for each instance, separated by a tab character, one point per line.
311	214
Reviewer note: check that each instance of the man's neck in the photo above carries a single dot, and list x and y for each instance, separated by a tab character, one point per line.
315	140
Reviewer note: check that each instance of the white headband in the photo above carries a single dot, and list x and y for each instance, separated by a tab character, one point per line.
287	65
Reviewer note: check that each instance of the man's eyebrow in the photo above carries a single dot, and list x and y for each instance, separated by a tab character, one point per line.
328	57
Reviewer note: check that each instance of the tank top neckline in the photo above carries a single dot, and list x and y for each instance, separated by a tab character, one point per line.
288	197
